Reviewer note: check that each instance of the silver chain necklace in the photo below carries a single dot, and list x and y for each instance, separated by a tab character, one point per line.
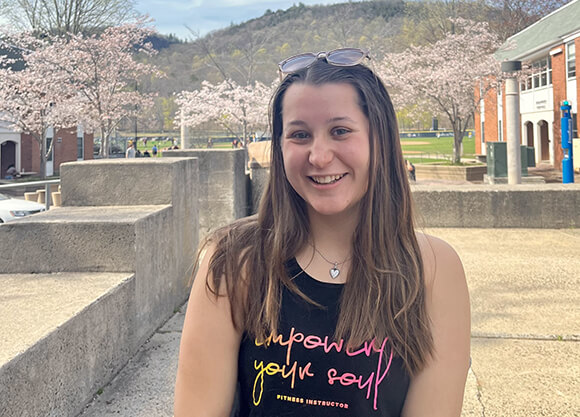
334	271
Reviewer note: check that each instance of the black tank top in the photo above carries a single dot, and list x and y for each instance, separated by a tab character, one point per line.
305	372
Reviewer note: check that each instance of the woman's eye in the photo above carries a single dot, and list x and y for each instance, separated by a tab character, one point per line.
299	135
339	131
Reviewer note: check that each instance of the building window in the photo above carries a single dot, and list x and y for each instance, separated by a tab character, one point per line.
571	59
482	132
80	143
50	155
541	75
499	132
80	148
574	125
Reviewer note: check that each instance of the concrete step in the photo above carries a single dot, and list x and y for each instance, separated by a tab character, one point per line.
129	182
79	239
62	337
133	239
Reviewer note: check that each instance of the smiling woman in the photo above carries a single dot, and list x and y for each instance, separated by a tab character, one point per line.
329	302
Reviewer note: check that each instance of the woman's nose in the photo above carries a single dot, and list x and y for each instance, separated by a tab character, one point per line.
321	152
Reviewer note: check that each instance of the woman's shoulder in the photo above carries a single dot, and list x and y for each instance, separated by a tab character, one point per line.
440	260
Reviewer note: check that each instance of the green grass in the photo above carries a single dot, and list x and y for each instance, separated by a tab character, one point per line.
431	150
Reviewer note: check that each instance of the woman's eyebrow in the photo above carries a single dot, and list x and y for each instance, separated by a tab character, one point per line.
331	120
340	119
296	123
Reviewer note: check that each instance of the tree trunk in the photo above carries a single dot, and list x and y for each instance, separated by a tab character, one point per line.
457	140
104	143
42	149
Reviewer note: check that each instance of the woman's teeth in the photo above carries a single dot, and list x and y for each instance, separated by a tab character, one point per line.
328	179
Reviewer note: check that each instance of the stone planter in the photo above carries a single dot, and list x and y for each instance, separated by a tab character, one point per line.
56	199
31	196
41	196
450	172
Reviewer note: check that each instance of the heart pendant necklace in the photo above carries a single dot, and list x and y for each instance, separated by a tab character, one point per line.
334	271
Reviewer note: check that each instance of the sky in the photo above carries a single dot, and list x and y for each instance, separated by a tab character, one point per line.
203	16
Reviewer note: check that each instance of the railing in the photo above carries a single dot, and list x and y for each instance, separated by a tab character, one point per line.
46	183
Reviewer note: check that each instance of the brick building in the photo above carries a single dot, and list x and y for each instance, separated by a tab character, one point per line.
22	150
550	46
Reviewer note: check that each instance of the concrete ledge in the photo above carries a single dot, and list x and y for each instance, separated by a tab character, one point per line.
122	182
75	239
491	206
450	172
63	337
223	185
526	179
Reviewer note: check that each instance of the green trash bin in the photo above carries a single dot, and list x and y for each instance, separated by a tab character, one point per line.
531	157
496	159
524	156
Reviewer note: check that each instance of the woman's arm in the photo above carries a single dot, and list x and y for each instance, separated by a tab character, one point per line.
208	356
438	389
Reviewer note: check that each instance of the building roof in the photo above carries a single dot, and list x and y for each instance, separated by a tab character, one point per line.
545	33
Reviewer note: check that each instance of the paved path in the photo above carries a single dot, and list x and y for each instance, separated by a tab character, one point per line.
525	292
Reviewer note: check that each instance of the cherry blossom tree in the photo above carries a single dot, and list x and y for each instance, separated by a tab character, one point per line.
442	76
35	98
238	109
104	72
76	79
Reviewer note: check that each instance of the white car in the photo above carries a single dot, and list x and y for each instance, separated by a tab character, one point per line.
14	208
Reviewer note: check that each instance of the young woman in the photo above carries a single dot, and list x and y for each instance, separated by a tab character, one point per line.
329	302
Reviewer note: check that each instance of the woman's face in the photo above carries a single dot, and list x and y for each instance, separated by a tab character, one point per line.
325	147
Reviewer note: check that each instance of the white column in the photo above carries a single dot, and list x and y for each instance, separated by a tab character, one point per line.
184	134
512	122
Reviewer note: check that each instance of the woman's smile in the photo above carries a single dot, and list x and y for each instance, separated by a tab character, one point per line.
327	179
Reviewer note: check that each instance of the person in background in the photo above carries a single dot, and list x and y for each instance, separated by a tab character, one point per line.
154	150
411	170
329	301
12	173
130	153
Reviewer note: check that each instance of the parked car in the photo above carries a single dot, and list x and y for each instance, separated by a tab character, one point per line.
14	208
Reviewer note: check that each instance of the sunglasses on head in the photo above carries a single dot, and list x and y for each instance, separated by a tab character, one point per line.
344	57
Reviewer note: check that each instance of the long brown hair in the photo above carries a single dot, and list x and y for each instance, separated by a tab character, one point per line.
384	294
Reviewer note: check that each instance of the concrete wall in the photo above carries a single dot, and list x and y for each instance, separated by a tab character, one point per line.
223	185
259	177
454	173
494	206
